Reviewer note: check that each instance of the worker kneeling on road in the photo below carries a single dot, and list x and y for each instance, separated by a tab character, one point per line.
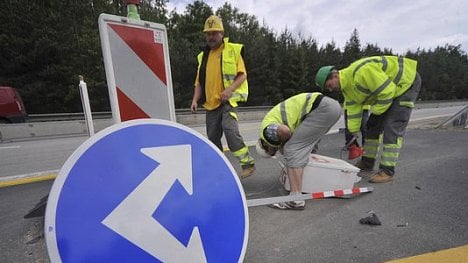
294	126
391	85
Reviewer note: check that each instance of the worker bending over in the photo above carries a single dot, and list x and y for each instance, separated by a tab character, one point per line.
391	85
293	127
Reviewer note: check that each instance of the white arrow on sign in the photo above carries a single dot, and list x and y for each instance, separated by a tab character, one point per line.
132	218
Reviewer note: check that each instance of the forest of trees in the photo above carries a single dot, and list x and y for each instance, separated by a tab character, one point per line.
46	44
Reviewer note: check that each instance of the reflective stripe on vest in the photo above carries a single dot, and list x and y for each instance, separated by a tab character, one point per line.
384	61
284	116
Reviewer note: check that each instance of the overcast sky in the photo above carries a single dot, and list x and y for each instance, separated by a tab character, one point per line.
396	24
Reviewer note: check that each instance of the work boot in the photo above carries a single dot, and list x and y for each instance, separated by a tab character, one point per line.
381	177
247	171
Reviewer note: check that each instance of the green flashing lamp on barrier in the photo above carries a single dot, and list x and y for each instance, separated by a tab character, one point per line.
132	9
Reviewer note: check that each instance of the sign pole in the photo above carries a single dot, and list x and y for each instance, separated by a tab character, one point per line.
86	106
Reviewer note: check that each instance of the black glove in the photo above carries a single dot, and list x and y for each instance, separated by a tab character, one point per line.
371	220
375	120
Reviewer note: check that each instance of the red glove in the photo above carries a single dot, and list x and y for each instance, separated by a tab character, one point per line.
354	151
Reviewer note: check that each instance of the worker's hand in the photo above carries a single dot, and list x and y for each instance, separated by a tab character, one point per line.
226	95
194	106
354	151
352	142
354	139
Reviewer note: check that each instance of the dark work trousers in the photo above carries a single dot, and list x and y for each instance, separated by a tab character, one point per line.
222	120
391	130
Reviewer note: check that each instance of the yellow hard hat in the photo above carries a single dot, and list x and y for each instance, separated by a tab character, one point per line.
213	23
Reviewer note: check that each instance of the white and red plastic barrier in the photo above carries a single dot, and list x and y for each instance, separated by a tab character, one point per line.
316	195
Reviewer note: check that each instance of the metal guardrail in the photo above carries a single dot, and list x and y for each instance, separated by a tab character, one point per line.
66	116
108	115
459	119
185	112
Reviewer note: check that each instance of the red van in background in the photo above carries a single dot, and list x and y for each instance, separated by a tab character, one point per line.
11	106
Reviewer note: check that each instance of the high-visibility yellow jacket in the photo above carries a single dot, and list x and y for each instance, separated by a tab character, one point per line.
289	112
364	107
230	55
374	81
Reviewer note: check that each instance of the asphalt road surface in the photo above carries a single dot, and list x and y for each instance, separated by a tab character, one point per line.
423	210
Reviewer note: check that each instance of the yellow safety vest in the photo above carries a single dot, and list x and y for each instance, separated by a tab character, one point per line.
230	56
374	81
289	112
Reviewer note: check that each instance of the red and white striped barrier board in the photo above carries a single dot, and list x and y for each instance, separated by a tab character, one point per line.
138	72
317	195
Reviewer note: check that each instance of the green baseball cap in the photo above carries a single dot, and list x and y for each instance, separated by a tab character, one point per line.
322	75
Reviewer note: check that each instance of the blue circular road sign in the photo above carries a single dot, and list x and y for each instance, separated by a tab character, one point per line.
147	191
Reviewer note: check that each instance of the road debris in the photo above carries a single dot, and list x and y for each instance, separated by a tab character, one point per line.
371	220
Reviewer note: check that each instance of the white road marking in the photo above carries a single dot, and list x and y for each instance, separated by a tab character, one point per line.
10	147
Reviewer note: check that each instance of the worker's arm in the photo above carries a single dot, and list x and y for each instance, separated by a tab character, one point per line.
196	97
196	92
353	116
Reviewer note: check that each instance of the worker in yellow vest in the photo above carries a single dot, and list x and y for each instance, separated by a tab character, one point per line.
294	127
221	83
391	85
